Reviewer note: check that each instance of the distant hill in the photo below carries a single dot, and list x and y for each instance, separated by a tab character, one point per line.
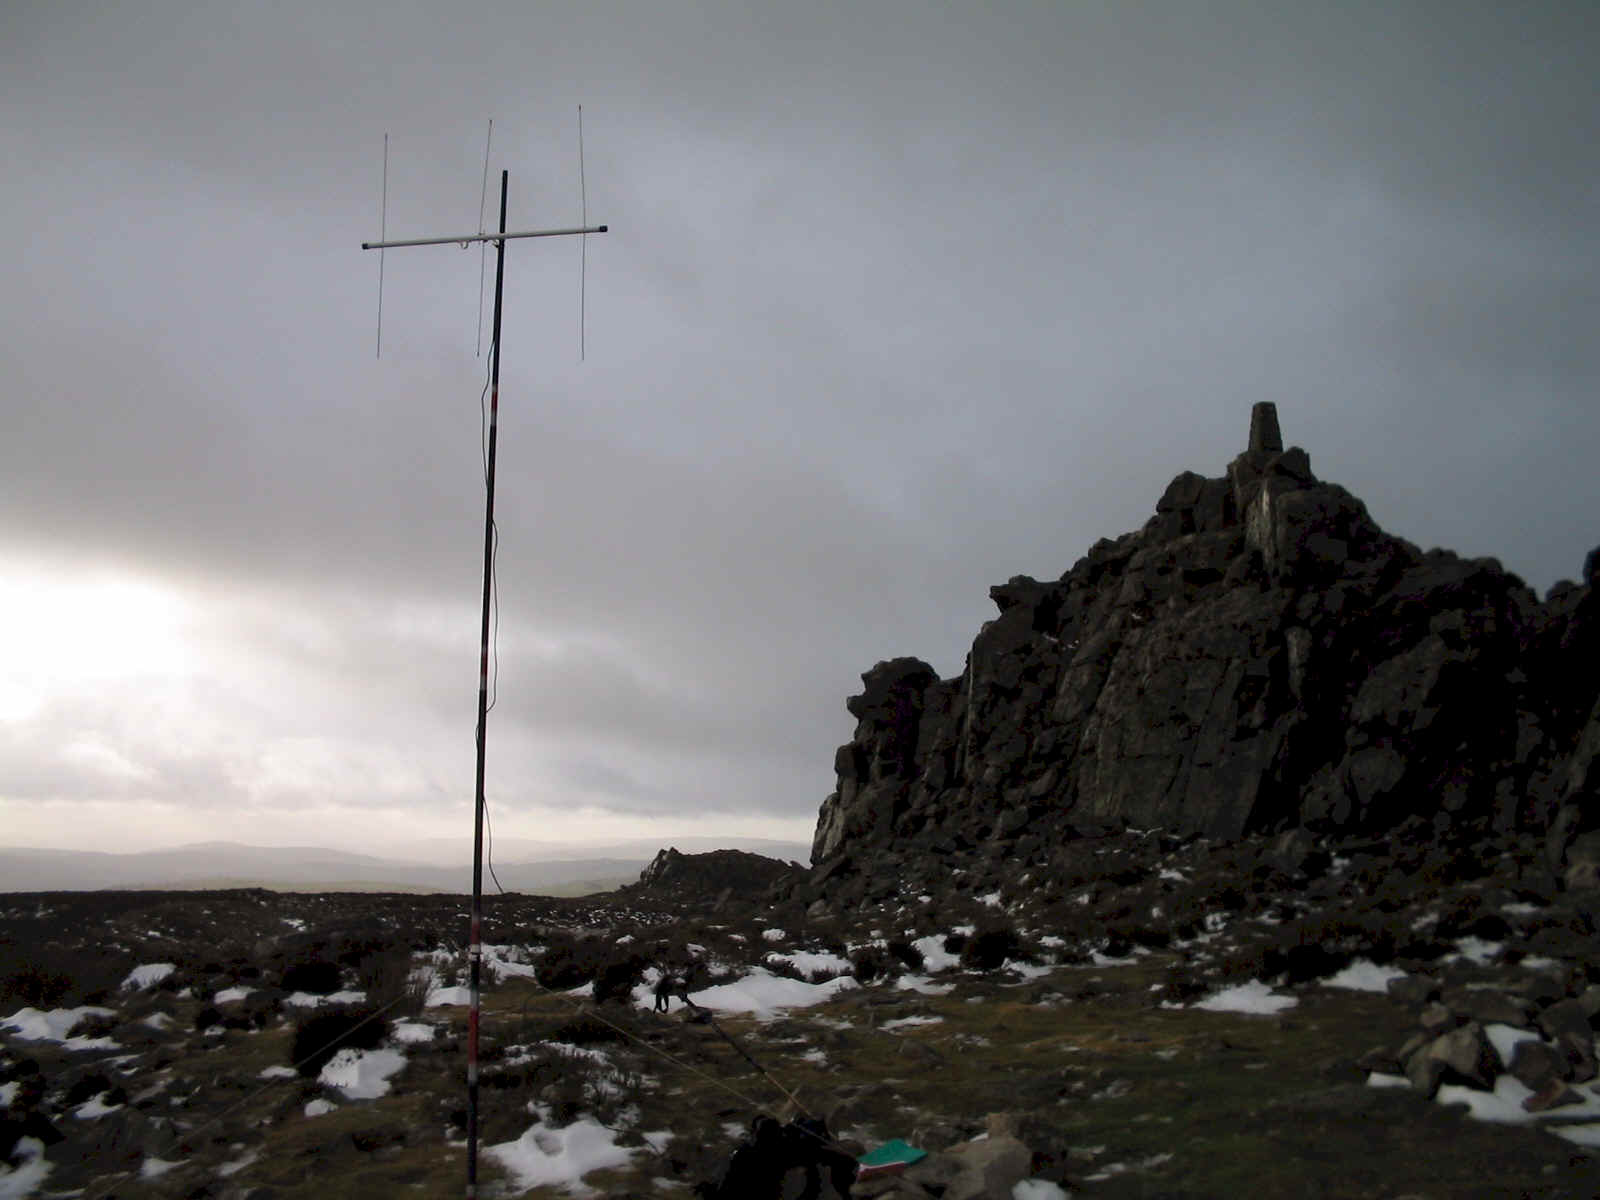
299	868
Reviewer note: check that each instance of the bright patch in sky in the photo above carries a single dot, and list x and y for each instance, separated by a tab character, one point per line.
83	631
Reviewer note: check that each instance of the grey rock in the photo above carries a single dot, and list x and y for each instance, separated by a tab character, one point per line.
1565	1017
1486	1005
937	1171
1589	1004
992	1167
1540	989
1583	863
1535	1064
1437	1018
1425	1073
1380	1059
1467	1052
1552	1095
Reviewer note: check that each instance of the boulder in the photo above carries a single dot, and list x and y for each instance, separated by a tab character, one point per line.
1466	1052
1490	1006
991	1167
716	875
1552	1095
1535	1064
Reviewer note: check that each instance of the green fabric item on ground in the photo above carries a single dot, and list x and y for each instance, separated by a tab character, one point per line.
892	1153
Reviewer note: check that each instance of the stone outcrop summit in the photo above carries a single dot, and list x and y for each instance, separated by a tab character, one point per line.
1260	656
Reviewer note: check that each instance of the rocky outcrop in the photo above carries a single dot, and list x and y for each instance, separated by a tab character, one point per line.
714	873
1260	656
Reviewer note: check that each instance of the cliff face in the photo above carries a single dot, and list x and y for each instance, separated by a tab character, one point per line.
1259	656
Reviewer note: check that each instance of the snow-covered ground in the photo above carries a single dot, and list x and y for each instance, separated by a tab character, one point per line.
545	1156
32	1025
812	963
754	981
1364	976
1253	997
147	976
760	993
362	1074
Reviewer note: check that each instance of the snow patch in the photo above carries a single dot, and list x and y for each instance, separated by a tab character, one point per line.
228	1169
147	976
1579	1135
1504	1039
32	1025
1503	1106
1477	950
546	1157
923	985
910	1022
23	1179
1363	975
96	1107
764	995
935	957
1253	997
812	963
362	1074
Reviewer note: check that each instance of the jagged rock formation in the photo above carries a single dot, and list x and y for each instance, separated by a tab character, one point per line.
1261	655
714	873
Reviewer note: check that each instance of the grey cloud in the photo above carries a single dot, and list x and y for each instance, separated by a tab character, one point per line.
898	302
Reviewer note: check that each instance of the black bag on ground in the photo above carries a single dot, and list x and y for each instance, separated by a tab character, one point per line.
759	1166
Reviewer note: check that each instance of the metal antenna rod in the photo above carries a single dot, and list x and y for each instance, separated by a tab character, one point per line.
475	950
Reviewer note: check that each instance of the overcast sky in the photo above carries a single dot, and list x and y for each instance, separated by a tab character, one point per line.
899	300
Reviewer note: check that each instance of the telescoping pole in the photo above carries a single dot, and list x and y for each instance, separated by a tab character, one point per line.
475	952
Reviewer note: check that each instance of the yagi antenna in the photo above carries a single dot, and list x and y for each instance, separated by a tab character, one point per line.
475	950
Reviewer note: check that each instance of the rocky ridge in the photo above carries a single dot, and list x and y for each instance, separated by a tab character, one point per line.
1259	657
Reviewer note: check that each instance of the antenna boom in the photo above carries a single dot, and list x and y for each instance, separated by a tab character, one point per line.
466	238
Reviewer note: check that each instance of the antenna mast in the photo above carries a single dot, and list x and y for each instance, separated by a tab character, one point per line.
475	950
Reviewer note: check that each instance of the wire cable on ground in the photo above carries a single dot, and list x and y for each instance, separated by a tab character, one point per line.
589	1010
